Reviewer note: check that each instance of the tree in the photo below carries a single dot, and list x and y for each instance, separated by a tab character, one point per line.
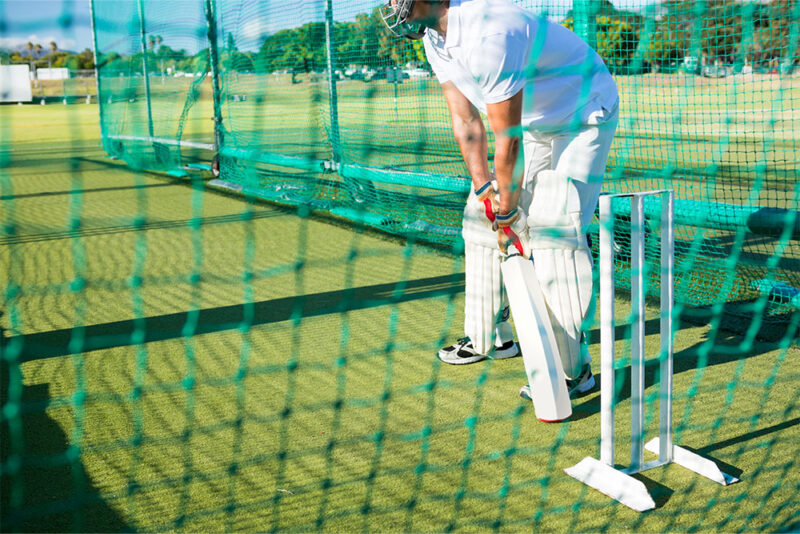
616	42
85	59
300	49
783	18
29	47
200	63
712	26
668	42
53	50
616	38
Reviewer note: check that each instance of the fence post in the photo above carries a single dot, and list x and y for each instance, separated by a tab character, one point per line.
584	21
334	103
213	60
143	34
97	73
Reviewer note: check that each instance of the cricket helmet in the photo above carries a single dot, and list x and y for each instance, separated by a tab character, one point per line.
396	19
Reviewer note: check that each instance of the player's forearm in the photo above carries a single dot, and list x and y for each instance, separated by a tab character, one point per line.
505	119
508	171
471	137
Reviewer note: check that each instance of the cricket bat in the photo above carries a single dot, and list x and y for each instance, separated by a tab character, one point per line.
539	349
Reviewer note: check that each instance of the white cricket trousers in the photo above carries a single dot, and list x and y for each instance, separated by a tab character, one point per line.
579	154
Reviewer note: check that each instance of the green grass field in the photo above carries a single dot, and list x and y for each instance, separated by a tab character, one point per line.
178	359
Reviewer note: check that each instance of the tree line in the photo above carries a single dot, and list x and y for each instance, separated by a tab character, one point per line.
711	31
38	57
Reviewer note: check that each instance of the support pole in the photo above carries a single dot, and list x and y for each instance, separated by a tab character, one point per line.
332	97
145	71
584	21
93	18
665	453
607	386
213	59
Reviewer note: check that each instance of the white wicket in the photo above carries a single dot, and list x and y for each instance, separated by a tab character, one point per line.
601	474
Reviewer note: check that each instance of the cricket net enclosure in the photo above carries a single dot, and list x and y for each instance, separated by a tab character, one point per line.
220	310
316	104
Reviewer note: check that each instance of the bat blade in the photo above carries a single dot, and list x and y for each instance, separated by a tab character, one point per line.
539	349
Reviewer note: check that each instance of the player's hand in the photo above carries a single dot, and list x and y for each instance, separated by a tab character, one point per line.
512	233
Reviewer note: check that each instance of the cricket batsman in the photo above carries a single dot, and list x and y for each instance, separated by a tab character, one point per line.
553	108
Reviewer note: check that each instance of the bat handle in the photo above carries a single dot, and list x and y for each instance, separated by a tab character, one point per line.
514	240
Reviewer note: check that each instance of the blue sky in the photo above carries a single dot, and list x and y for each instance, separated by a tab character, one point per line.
67	22
41	21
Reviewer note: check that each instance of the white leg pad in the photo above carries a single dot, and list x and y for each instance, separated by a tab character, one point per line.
563	262
484	298
566	279
484	293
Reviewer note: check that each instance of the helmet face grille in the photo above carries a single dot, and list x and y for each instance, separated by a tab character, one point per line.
395	17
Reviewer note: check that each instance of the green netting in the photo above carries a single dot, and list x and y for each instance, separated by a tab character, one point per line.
153	83
708	104
254	350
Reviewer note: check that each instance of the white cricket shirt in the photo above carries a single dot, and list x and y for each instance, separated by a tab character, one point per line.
494	48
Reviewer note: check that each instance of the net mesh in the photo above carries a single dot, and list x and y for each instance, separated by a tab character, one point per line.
235	330
702	112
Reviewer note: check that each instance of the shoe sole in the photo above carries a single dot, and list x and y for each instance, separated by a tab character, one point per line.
584	387
446	358
444	355
512	352
504	356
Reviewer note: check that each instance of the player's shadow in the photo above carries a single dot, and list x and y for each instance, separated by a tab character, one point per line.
172	326
47	492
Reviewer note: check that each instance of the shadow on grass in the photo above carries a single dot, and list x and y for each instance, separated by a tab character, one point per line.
49	491
749	436
171	326
82	191
658	491
790	525
724	349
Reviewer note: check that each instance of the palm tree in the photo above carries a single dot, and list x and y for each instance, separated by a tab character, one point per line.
152	43
29	46
160	40
53	50
38	49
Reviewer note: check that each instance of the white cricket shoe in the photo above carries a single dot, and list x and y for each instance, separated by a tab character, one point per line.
462	352
576	387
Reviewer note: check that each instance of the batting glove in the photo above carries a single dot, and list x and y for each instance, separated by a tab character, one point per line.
509	228
487	196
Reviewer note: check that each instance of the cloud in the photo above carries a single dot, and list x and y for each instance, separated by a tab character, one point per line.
253	31
20	42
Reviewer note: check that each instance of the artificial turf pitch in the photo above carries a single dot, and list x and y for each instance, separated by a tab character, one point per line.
177	358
